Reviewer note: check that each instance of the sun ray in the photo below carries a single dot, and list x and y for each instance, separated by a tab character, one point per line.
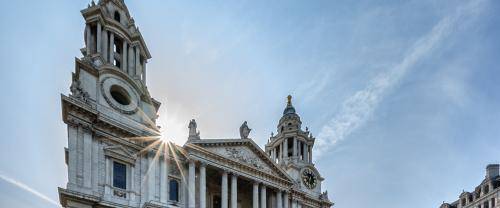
153	161
28	189
150	146
174	154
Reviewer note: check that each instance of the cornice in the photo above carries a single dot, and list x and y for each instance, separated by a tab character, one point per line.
98	118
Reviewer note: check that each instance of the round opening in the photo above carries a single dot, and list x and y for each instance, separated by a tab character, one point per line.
120	95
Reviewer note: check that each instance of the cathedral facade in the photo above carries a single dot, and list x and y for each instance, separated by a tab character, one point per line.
116	157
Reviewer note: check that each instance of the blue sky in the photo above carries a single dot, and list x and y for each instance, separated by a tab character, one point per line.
403	96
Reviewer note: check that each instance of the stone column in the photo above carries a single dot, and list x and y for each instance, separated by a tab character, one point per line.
87	39
124	56
163	180
294	204
310	154
144	72
281	151
105	46
279	199
112	48
306	154
285	200
263	201
255	201
285	144
131	60
191	188
294	147
151	178
203	186
99	36
234	191
137	62
224	190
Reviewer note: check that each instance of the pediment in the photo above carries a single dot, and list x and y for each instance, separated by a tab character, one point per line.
241	154
243	151
119	152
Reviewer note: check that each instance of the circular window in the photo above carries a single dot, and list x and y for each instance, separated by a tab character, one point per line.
120	95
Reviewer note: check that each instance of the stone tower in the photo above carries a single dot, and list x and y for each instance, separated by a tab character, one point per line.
291	148
110	115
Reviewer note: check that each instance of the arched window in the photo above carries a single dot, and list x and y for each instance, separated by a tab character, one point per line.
117	16
173	186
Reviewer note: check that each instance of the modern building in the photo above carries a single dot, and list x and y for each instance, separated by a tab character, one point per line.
116	157
485	195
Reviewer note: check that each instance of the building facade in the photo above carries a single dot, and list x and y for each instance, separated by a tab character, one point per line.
485	195
116	157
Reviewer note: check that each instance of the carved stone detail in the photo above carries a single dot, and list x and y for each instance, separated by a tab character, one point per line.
77	91
236	154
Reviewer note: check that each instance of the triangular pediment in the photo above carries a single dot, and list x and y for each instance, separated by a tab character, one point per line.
119	152
243	151
241	154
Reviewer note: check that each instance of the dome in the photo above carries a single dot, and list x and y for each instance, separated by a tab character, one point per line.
289	110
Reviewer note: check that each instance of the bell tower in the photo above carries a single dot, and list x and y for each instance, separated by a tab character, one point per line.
291	148
291	145
110	116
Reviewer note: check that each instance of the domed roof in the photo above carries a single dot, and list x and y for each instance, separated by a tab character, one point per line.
289	108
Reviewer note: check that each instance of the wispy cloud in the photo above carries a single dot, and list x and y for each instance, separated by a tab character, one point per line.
358	108
25	187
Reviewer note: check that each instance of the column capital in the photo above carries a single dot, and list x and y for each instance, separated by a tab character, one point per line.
203	164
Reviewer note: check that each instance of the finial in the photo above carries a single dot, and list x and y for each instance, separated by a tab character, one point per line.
289	97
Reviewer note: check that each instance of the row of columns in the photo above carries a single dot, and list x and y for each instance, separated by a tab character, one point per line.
281	151
224	190
130	59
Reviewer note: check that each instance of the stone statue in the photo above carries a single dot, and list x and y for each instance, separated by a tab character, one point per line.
244	130
193	134
324	196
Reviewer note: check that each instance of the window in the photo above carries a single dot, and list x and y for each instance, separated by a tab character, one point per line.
117	16
486	189
173	186
119	175
120	95
463	202
485	204
492	202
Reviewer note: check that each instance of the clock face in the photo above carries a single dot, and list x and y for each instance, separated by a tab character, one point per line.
309	178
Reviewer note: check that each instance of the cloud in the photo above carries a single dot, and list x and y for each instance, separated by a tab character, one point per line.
358	108
27	188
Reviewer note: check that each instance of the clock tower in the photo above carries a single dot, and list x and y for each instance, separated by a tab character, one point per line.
291	148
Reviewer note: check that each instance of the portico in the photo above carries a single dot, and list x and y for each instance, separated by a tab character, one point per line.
240	178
